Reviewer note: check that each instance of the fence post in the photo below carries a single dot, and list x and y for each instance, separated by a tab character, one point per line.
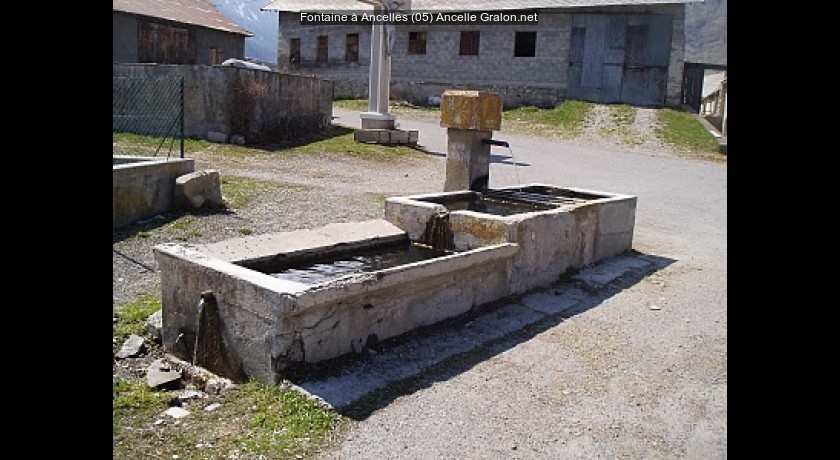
181	90
725	95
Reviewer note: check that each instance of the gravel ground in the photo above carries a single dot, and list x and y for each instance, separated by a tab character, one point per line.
603	127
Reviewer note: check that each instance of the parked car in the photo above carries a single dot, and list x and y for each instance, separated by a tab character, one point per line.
239	63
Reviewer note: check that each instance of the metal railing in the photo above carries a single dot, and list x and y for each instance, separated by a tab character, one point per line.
149	106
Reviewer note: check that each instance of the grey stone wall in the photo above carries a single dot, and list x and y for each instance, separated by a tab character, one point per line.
539	80
263	106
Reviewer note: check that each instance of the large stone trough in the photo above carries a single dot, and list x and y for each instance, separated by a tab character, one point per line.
268	323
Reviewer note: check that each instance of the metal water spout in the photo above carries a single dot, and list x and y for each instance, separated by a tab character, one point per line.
495	142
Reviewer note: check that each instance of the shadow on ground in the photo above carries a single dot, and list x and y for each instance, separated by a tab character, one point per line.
494	158
425	356
328	132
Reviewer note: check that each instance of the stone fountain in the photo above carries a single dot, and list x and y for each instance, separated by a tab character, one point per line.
281	299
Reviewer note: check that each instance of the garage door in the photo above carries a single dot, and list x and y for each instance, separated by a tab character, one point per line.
619	58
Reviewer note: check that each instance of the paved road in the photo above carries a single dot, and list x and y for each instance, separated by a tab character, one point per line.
643	374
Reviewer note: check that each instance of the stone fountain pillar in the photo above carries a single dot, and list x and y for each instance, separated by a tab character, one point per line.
379	126
470	117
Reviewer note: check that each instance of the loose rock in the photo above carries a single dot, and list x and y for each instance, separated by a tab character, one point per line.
154	326
218	386
186	395
212	407
161	376
177	412
132	347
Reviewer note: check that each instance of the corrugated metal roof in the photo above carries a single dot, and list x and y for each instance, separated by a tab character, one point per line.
712	81
195	12
449	5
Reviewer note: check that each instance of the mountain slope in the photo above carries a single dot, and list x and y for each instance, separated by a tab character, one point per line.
705	32
263	24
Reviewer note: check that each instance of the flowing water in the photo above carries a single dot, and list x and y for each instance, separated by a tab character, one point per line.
515	168
438	232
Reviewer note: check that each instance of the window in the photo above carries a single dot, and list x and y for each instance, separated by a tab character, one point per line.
294	51
525	44
417	43
323	48
469	43
351	53
217	56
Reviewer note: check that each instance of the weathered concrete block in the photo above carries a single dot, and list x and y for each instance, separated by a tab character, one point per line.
197	189
385	136
372	136
478	110
144	186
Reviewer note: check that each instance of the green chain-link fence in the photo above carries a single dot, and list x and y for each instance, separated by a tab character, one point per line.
152	107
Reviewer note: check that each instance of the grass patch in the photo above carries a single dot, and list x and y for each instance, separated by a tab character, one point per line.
284	422
254	421
133	403
138	144
683	131
568	117
239	191
399	108
332	140
395	106
351	104
131	316
245	230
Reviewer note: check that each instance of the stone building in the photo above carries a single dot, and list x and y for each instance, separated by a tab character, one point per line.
628	51
167	32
